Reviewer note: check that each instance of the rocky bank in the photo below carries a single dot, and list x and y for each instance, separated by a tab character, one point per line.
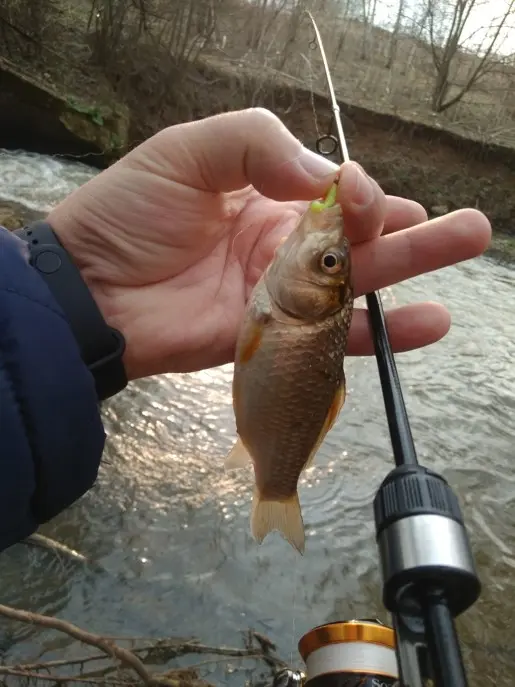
36	116
14	215
439	169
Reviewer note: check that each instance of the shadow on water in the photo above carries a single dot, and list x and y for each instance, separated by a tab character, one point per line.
171	529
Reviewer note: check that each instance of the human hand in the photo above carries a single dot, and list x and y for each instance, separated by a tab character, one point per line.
172	238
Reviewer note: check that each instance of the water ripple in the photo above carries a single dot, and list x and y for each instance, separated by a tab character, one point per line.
171	528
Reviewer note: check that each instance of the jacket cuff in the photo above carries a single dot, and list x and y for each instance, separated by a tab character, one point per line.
51	430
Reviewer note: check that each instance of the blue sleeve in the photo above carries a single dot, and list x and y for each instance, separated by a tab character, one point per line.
51	433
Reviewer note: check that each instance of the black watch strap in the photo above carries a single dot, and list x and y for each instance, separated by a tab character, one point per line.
101	346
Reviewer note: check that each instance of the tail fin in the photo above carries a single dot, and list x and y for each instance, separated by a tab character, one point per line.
284	516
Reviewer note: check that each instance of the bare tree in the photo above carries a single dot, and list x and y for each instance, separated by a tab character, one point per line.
368	16
446	41
344	12
392	47
262	16
26	26
295	21
108	21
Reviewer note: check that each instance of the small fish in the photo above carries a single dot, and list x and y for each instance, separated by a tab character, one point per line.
289	383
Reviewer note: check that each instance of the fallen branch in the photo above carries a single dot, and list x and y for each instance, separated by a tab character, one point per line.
161	651
41	542
18	672
125	656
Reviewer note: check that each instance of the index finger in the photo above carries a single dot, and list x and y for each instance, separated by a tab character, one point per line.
367	211
363	203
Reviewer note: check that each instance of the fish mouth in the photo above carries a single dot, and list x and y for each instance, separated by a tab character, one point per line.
327	220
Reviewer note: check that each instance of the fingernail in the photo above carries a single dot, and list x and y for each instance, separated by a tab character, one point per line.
360	187
316	165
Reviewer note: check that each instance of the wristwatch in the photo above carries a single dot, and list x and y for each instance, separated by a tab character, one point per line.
101	346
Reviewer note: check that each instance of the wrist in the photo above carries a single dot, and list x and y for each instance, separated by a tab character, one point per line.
101	346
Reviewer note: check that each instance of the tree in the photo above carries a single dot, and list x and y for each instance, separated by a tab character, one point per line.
368	18
392	48
447	24
26	26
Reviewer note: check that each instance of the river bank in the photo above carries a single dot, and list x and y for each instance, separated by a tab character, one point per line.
439	169
14	215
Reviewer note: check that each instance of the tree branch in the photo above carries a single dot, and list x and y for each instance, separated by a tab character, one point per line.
125	656
39	541
18	672
159	651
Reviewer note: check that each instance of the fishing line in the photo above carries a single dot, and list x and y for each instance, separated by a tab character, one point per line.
241	231
294	609
312	94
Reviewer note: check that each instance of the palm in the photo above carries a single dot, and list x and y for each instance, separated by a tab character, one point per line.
179	289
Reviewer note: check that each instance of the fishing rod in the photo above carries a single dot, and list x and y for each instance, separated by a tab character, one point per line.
428	571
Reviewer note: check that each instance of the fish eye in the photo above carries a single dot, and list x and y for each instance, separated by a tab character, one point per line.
331	263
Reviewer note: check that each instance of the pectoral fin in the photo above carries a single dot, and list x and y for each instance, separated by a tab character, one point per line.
332	415
257	317
252	338
238	457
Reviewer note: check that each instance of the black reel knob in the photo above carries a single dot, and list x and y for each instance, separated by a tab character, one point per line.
422	540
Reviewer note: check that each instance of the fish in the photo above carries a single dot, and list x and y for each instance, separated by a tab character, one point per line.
289	382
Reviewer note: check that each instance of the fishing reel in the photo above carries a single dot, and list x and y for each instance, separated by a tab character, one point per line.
429	578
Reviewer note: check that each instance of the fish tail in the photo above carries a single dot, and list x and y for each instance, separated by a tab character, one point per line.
284	516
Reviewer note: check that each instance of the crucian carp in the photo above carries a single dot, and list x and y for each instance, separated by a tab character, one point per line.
289	382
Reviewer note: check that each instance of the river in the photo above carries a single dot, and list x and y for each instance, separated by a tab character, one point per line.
171	529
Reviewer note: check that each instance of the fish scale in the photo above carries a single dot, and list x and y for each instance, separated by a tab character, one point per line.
303	380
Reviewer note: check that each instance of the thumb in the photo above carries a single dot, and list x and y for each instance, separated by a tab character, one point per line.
229	151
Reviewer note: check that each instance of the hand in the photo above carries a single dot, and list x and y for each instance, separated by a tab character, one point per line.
172	238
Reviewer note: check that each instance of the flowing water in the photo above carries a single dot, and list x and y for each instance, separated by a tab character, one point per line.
171	529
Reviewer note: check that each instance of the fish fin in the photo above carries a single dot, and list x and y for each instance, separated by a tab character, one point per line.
238	456
336	405
334	411
284	516
259	316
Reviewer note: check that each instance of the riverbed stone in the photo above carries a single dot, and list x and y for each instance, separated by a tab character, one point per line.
9	218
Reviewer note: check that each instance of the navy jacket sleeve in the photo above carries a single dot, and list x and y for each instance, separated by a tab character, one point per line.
51	433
